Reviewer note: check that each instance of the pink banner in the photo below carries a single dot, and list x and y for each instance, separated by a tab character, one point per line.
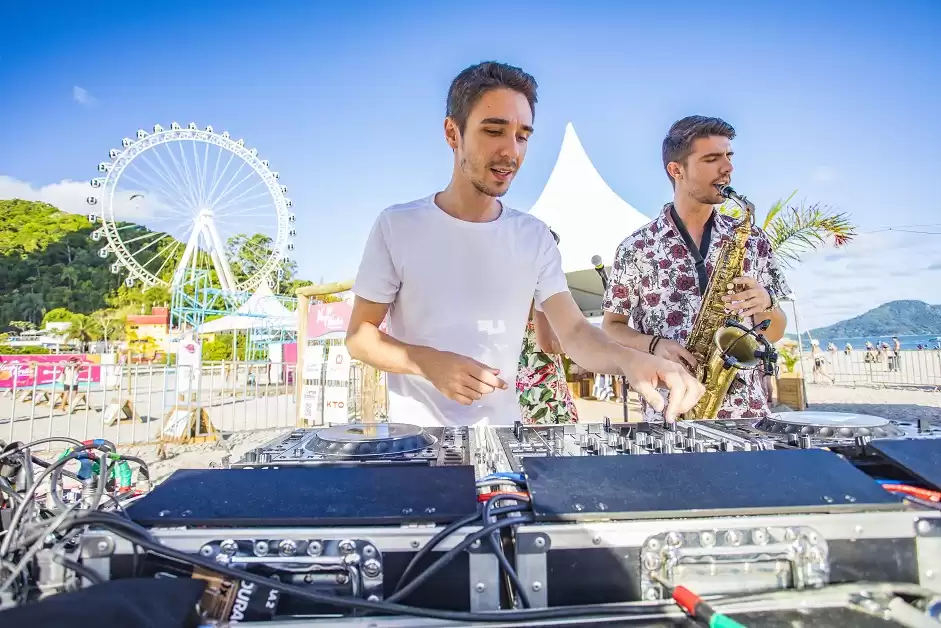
26	370
289	354
326	318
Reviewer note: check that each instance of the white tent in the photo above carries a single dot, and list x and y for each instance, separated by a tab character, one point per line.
261	311
590	218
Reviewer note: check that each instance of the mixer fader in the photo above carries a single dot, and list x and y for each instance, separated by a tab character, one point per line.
792	430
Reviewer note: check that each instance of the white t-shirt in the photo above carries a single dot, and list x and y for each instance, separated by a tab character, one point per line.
458	286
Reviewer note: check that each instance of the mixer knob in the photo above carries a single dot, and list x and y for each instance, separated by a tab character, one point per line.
725	446
657	444
746	447
804	441
624	444
691	432
612	439
792	439
583	441
640	439
863	440
699	448
667	447
679	440
670	427
605	450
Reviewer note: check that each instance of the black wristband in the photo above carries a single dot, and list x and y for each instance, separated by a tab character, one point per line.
653	344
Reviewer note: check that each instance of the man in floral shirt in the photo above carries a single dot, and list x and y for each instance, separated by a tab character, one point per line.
660	273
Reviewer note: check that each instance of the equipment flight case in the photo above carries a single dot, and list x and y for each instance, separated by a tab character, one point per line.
608	526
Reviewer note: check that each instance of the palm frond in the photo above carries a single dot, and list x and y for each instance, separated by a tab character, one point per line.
805	228
776	209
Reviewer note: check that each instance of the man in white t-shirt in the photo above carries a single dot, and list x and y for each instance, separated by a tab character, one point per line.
456	273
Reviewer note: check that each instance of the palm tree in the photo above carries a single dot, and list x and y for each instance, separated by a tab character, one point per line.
794	231
84	329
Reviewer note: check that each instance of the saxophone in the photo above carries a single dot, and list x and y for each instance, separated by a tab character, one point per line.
721	343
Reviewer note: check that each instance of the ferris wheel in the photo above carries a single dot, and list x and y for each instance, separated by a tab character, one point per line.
186	199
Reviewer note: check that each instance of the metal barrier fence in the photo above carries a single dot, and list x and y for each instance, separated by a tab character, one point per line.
142	403
915	368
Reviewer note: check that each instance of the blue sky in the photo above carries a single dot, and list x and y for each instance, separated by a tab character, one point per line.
346	100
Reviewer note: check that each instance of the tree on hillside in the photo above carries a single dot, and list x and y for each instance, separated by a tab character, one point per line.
248	255
84	329
795	230
112	323
58	315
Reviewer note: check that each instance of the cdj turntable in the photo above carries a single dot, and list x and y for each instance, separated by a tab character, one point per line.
382	443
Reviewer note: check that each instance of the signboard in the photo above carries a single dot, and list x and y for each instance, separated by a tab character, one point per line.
189	358
27	370
326	373
310	403
335	405
327	318
338	364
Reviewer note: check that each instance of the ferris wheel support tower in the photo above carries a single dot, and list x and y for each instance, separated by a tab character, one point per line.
206	227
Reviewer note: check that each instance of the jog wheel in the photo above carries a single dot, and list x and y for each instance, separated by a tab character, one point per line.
828	425
369	440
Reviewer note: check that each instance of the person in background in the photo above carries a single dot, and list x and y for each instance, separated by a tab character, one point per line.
820	361
541	387
895	356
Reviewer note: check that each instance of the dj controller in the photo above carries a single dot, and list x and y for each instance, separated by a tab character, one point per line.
391	524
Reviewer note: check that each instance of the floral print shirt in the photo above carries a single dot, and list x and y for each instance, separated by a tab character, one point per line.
541	388
653	282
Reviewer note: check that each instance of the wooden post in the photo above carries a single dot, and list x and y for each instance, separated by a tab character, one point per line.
303	305
369	393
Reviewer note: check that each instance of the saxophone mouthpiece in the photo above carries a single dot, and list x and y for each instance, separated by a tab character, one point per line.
726	190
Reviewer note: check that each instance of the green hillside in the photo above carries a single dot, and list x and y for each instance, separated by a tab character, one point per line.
49	261
892	318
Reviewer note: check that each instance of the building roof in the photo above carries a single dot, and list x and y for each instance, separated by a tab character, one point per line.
149	319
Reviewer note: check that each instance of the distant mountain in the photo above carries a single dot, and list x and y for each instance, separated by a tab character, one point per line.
901	318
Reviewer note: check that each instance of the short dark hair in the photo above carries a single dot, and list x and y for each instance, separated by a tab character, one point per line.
475	81
678	143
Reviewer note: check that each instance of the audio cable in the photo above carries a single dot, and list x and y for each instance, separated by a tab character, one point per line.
696	608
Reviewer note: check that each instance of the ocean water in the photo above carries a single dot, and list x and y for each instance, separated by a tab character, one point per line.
907	342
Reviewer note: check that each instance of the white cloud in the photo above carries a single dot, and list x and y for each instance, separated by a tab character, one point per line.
69	196
832	285
83	97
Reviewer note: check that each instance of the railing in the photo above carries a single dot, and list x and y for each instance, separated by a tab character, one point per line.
914	368
141	403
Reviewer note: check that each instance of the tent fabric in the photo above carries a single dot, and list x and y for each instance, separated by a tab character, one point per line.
261	311
577	203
